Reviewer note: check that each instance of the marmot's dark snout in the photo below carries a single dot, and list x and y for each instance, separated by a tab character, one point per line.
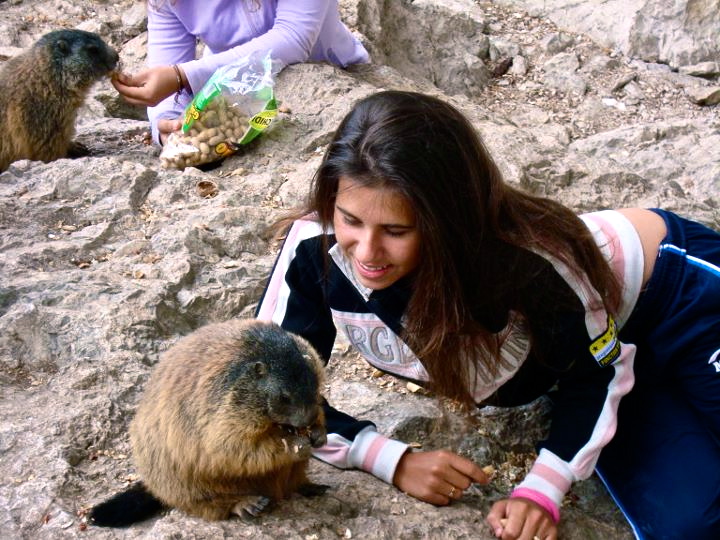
108	57
299	415
298	409
96	52
318	436
305	420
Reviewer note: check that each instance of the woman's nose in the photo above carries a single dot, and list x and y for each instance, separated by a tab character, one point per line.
367	246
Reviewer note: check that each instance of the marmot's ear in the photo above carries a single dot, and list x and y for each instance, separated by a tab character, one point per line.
63	46
260	369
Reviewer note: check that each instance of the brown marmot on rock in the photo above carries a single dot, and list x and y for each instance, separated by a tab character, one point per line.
225	425
41	91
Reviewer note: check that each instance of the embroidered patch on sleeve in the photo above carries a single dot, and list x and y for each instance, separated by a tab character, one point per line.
606	347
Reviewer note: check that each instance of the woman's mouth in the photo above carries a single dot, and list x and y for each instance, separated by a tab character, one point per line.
371	271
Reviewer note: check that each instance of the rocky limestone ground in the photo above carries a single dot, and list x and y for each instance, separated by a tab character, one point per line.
106	260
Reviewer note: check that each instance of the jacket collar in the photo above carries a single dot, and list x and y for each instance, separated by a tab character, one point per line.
345	266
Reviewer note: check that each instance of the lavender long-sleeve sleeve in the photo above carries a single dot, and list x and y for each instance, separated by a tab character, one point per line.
294	30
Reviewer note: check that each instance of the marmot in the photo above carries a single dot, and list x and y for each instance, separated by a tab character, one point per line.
225	425
42	89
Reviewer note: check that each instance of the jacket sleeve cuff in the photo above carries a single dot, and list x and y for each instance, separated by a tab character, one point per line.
539	499
376	454
166	110
547	482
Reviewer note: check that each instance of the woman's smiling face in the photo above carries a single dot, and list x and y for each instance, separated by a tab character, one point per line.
375	228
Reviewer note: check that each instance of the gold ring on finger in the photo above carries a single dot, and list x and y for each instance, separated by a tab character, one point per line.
452	492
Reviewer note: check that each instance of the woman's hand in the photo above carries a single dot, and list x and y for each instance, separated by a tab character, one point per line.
521	519
166	127
148	87
436	477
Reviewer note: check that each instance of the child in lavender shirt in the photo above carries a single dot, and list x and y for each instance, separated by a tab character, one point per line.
294	30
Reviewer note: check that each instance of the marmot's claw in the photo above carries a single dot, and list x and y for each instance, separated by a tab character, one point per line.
255	508
77	150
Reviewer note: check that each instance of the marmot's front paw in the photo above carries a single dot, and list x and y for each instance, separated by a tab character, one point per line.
297	444
318	436
301	441
251	507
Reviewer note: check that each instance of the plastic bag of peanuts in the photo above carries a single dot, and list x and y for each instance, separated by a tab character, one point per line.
235	106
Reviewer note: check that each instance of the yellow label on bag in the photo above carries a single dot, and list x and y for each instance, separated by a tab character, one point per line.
606	348
263	119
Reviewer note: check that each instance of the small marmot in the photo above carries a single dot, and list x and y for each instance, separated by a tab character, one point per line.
41	91
225	425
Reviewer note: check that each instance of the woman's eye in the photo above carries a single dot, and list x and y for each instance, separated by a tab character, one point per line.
350	221
396	232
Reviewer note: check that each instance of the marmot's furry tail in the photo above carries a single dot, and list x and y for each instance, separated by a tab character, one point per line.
127	507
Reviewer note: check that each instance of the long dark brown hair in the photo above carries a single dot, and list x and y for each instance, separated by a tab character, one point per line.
468	218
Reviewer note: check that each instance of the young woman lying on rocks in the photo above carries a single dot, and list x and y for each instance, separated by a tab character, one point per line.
440	272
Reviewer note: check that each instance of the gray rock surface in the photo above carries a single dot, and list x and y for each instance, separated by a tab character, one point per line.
106	260
676	33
